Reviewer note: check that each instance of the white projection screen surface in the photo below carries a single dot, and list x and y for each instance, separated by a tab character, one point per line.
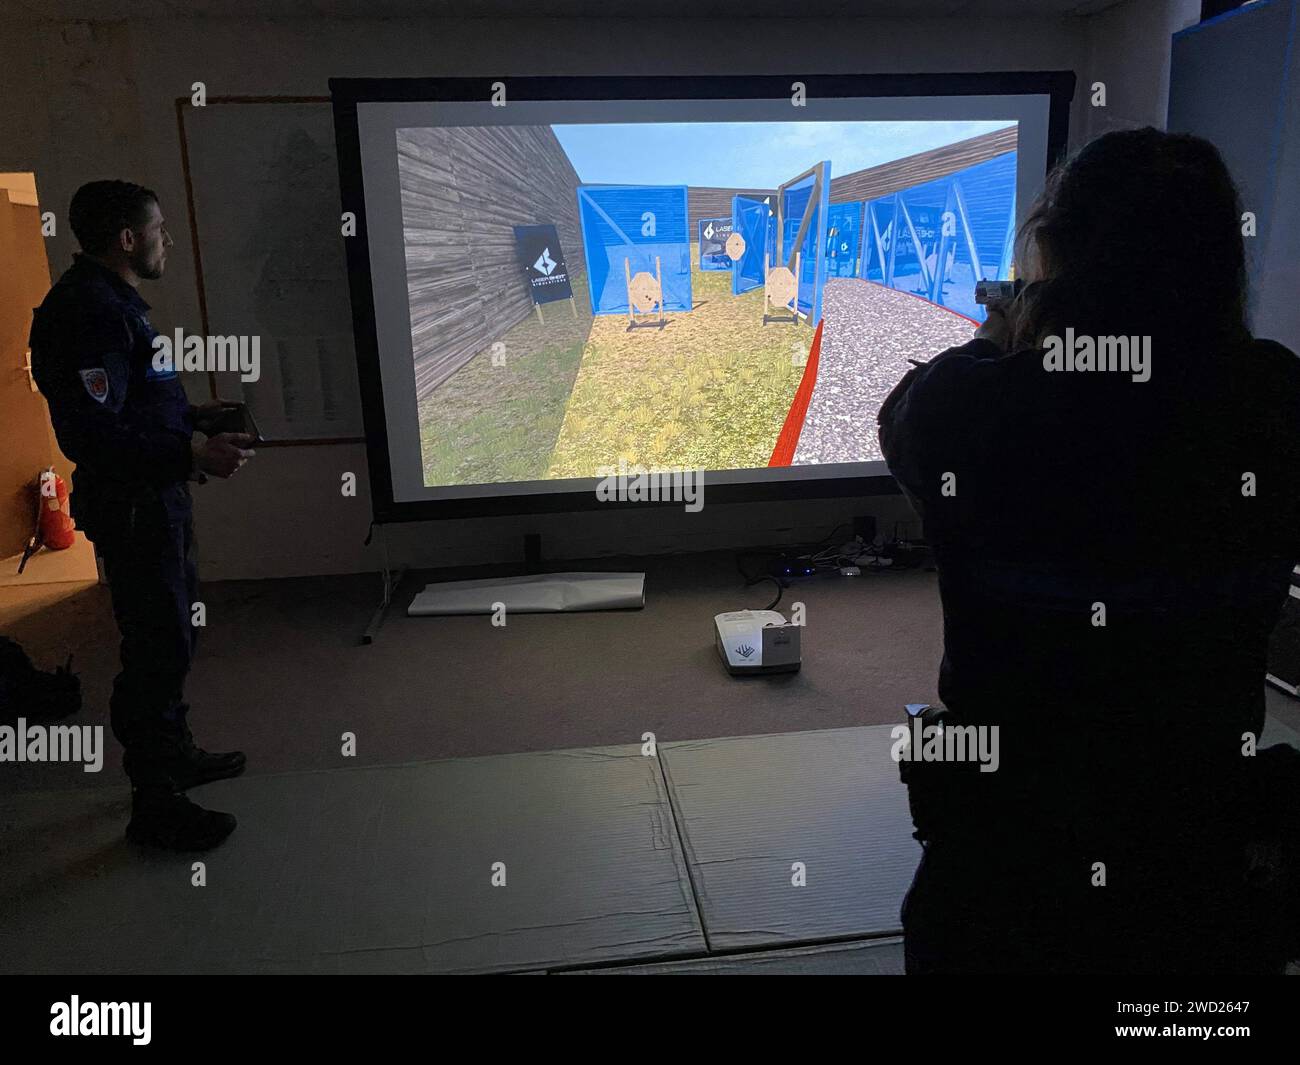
565	287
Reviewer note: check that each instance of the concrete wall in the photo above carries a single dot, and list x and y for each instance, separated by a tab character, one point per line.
84	101
1225	86
1126	47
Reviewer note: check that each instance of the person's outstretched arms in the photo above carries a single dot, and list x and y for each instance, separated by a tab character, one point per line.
935	418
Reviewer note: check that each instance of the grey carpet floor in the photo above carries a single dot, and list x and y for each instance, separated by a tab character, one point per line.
279	672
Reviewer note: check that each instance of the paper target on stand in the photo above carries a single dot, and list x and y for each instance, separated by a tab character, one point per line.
643	292
781	286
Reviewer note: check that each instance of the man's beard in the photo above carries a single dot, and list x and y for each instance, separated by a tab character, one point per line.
151	269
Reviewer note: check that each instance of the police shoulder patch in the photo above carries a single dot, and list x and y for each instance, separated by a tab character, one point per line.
96	382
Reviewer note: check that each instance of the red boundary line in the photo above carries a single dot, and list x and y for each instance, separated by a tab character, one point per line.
783	453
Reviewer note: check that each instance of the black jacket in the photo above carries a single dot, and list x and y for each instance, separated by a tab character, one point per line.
1048	493
125	424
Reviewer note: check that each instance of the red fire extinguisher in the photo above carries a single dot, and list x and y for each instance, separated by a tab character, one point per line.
56	528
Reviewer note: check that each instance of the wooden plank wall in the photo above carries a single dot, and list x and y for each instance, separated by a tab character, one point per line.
924	166
463	189
872	182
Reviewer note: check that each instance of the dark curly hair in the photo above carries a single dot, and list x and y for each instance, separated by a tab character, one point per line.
100	210
1139	234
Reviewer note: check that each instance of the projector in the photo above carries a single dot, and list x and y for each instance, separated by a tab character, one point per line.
757	641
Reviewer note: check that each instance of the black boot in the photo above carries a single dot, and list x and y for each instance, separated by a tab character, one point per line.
162	817
193	765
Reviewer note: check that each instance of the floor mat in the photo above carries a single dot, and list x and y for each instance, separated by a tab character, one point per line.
877	957
752	810
361	870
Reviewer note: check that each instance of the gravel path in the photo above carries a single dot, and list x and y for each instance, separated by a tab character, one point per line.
870	333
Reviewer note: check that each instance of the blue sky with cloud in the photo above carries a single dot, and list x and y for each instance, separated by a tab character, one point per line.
747	154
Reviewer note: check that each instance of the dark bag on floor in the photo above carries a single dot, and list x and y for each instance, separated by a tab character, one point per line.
28	691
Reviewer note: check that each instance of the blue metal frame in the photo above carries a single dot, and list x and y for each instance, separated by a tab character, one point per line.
938	238
794	206
755	222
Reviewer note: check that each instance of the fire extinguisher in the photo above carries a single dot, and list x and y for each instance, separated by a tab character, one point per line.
56	528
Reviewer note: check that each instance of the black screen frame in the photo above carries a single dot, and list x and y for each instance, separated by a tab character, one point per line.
347	93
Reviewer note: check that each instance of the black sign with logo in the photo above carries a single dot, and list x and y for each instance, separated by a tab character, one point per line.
713	243
542	260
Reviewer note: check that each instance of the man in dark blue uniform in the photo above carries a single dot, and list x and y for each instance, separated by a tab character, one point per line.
129	428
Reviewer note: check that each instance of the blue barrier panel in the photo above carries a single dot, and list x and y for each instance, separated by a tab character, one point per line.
752	219
713	239
877	237
632	225
918	224
797	200
843	235
984	199
938	238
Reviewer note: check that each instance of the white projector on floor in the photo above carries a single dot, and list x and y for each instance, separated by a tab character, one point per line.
757	641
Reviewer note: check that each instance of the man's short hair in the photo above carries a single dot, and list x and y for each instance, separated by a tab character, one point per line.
100	210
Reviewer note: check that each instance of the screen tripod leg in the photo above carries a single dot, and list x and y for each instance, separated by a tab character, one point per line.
391	581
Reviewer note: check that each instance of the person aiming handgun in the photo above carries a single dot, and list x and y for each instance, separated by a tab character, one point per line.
1113	551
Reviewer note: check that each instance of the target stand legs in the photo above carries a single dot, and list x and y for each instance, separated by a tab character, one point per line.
645	297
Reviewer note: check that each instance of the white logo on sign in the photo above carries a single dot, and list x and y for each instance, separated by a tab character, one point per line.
545	264
708	231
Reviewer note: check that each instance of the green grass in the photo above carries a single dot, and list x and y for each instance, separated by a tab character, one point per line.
491	423
711	390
